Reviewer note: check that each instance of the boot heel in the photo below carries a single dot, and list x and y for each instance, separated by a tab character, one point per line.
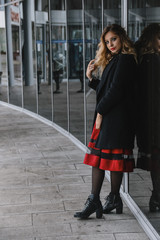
152	207
119	209
99	213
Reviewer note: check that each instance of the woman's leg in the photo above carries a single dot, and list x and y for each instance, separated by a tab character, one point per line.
113	200
116	180
154	202
97	180
93	203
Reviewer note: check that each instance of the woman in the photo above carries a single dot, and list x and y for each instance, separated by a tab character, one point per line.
148	122
112	138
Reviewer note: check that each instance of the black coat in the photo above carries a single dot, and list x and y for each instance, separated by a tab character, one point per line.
115	102
148	121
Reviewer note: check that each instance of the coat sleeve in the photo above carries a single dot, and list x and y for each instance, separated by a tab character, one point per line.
122	77
94	83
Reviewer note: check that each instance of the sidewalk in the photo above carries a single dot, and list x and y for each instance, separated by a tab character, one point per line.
43	182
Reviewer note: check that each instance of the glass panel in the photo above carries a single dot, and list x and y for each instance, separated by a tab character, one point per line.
1	1
112	12
59	50
3	58
144	184
12	17
29	56
42	47
93	30
76	91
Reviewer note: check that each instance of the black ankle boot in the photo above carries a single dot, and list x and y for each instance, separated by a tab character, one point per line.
154	202
93	204
113	202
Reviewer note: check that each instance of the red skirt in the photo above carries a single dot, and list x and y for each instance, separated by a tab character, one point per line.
121	160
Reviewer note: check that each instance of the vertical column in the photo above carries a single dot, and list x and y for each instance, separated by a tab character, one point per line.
9	45
44	52
102	15
28	57
50	54
67	69
124	23
124	13
38	5
84	73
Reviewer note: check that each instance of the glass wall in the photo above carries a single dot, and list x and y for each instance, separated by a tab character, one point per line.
144	182
12	23
93	30
45	47
75	71
44	83
59	51
3	58
112	12
28	29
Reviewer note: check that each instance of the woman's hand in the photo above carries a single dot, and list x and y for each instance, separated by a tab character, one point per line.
90	69
98	121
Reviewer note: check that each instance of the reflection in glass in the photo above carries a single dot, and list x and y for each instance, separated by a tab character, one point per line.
143	182
59	51
29	56
3	59
12	17
76	91
42	48
112	12
93	30
148	123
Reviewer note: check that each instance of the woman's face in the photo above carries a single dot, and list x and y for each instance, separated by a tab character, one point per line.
113	42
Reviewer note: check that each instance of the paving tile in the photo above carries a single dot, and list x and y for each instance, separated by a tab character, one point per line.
29	190
10	198
17	233
66	172
131	236
32	208
82	237
15	221
116	226
75	187
50	197
61	166
37	170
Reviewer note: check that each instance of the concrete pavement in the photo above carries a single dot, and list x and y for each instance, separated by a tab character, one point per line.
43	182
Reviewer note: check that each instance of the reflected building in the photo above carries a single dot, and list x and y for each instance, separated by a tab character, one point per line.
45	47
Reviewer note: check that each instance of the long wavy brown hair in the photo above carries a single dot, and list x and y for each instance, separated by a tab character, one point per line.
146	42
103	54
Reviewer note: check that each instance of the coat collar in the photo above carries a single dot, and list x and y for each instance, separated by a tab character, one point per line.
105	73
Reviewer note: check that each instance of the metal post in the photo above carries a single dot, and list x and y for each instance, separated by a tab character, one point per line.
28	48
39	5
124	23
102	15
84	75
44	52
9	44
124	13
50	56
67	68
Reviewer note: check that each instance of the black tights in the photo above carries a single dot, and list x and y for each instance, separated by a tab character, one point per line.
116	180
97	180
98	177
155	176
